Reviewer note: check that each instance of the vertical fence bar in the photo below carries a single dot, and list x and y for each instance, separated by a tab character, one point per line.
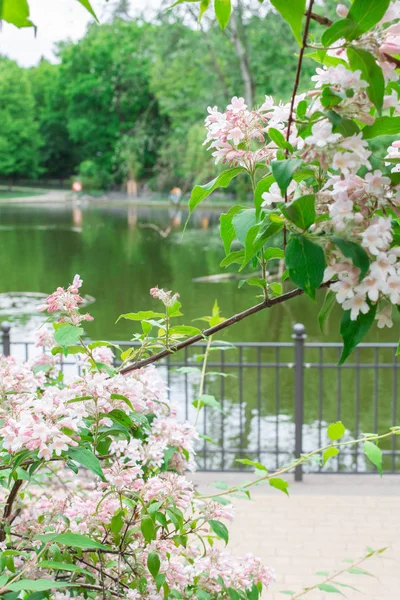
299	336
5	332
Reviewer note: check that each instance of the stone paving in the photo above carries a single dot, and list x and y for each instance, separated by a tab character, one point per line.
325	520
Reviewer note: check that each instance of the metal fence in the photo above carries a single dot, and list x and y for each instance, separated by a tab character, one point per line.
277	399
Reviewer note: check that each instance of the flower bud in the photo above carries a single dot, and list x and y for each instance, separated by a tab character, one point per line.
342	10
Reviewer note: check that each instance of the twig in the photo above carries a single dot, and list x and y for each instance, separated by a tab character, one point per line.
8	507
298	70
298	462
337	574
268	303
294	92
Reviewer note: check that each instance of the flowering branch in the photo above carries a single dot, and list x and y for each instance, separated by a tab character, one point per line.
303	459
267	303
337	574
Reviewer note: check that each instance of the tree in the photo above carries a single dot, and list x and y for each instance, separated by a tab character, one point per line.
58	155
19	133
106	85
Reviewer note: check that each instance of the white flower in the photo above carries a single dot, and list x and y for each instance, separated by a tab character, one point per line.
343	289
370	286
392	288
375	182
356	304
345	162
384	317
322	134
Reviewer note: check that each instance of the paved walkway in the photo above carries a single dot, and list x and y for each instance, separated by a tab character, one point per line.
325	520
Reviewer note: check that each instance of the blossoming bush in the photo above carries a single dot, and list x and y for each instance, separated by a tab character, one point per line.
334	220
95	500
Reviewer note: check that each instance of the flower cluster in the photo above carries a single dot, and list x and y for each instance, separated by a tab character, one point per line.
100	462
67	302
356	204
240	136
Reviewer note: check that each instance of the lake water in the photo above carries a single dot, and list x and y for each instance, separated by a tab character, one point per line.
121	251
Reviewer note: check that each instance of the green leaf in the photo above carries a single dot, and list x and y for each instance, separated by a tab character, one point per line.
204	4
257	236
262	186
87	459
283	171
367	13
226	229
356	253
254	281
73	540
242	222
233	258
38	585
15	12
336	431
223	10
382	126
371	72
202	595
292	12
141	316
201	192
148	530
329	453
252	463
353	332
344	28
328	587
272	253
88	7
306	264
233	594
358	571
119	416
374	454
57	566
153	563
184	330
301	212
326	309
67	335
220	530
279	139
279	484
207	400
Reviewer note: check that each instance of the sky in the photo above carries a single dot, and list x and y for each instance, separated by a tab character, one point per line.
56	20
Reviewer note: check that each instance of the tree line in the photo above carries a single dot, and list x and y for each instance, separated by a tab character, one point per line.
128	100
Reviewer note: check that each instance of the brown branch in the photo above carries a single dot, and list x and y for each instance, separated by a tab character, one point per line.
268	303
309	14
8	507
321	20
298	70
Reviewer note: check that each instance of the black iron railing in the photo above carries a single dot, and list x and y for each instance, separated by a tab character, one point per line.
277	399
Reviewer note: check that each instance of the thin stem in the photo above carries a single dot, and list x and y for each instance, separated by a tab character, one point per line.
298	462
8	507
335	575
202	379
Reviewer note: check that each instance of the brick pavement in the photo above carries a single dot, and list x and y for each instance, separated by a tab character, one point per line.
326	519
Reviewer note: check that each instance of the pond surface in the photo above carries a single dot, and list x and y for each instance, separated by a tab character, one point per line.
121	251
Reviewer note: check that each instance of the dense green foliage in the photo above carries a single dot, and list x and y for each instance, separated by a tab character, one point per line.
129	99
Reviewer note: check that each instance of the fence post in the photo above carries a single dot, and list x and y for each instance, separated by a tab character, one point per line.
5	330
299	336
